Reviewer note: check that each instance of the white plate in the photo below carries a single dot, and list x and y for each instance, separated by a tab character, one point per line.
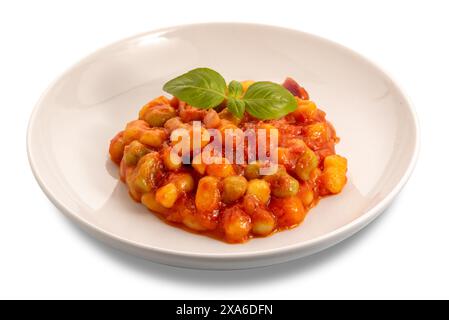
71	126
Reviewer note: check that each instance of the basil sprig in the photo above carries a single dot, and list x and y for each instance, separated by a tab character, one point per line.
205	88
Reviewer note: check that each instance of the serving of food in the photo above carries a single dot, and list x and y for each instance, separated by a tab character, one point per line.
232	161
215	162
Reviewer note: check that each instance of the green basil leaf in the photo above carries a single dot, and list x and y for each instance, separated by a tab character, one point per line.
236	107
267	100
235	89
201	88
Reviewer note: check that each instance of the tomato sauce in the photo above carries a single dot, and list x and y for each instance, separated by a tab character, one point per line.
229	201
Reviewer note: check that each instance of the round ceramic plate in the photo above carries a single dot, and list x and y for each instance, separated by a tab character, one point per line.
70	129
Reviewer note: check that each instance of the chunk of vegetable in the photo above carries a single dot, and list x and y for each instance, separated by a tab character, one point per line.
147	173
282	184
133	152
234	187
252	170
305	164
158	115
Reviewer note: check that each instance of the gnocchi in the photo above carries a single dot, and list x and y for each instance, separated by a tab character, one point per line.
231	201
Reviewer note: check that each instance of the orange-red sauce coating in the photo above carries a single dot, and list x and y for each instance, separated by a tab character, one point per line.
227	201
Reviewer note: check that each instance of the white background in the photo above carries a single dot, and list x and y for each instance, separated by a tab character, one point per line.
403	254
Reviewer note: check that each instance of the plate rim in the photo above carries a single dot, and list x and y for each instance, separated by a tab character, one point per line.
329	238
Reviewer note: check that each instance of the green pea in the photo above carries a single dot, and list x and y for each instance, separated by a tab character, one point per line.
147	172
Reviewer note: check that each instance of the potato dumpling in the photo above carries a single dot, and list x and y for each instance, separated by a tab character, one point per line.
183	181
289	211
197	137
200	220
149	201
334	179
117	147
136	185
153	137
167	195
172	162
236	224
263	222
334	173
336	161
260	189
193	222
306	195
234	187
134	130
223	168
208	194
